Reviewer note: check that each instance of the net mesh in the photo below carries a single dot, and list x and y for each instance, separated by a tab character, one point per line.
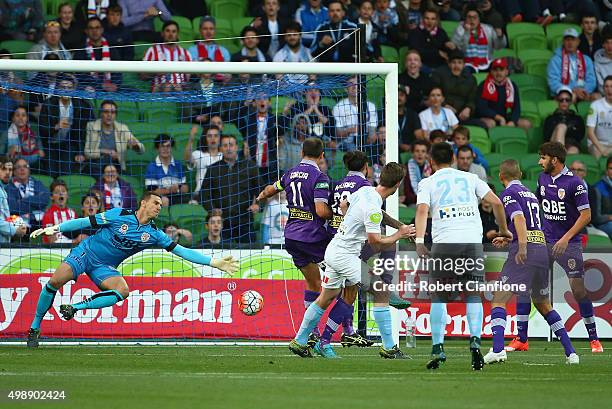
67	133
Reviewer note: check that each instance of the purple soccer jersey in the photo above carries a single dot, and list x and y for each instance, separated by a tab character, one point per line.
517	199
351	183
305	184
562	198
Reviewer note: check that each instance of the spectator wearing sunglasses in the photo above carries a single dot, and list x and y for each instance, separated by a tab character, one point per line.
564	125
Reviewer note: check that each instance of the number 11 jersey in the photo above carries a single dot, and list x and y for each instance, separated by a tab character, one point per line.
305	185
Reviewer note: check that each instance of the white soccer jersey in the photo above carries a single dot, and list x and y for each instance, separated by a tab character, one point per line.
453	197
363	216
600	118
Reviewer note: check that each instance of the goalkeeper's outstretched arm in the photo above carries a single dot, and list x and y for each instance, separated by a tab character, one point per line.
227	263
67	226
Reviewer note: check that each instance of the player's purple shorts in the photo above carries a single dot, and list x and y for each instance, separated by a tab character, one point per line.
571	260
306	253
533	278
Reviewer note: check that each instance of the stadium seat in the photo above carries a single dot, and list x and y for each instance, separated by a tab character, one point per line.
509	140
449	27
494	159
336	172
44	179
389	53
160	113
137	164
127	111
480	77
405	157
144	131
583	108
78	186
231	129
603	163
480	139
402	56
530	42
533	93
164	217
504	52
529	166
228	9
17	47
278	103
545	108
140	49
137	184
530	184
407	214
238	23
180	213
534	55
535	137
594	172
526	80
538	68
529	110
518	30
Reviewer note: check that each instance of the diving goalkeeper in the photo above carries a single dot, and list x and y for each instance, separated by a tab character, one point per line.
122	233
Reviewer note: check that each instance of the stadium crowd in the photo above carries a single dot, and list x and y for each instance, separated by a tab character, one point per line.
460	63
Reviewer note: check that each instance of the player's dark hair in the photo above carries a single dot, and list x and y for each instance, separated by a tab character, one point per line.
608	78
588	15
608	161
61	6
171	23
56	183
115	9
471	7
335	1
392	174
466	148
163	138
554	150
442	153
463	131
422	142
355	160
92	196
510	170
4	159
312	147
432	10
147	195
606	33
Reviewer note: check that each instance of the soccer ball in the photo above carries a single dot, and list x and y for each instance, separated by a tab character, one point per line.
15	220
250	302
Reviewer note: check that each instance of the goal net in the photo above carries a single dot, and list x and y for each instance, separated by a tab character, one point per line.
99	135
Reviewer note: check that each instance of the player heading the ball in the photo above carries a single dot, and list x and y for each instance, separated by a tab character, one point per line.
122	233
362	221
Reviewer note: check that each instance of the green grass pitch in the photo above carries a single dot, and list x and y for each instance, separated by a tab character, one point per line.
271	377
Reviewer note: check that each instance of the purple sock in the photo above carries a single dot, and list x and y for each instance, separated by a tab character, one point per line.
309	298
556	325
586	311
336	316
498	326
347	324
523	308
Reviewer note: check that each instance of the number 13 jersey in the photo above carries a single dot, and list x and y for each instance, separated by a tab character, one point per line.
453	197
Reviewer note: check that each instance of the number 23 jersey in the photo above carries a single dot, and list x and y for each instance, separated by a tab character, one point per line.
453	197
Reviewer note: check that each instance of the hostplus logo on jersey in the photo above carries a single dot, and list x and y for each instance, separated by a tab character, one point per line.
457	211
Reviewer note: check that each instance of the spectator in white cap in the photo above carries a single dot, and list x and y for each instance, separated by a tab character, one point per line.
570	68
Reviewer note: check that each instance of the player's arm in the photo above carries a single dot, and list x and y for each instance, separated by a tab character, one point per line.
67	226
498	211
390	221
270	191
581	201
520	224
323	210
227	263
321	198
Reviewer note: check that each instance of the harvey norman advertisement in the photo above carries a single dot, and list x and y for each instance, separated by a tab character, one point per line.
172	298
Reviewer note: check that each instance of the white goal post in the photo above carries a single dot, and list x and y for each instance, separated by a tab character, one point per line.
389	71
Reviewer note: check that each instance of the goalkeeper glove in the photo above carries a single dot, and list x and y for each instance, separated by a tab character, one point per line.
227	264
49	231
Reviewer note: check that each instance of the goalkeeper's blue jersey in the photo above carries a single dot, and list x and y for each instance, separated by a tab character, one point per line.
120	236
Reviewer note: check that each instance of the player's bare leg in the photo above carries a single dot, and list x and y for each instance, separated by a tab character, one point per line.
474	312
299	345
312	275
586	311
114	289
61	276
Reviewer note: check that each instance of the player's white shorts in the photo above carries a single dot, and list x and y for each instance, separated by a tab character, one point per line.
343	270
